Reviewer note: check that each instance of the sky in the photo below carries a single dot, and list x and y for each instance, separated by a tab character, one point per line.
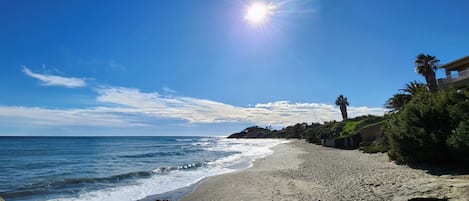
82	67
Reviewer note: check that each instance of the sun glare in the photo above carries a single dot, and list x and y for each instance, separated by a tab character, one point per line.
257	13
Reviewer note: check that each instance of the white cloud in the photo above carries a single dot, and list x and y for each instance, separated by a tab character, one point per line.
280	113
128	107
73	117
54	80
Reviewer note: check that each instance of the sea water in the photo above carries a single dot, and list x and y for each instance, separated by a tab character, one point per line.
117	168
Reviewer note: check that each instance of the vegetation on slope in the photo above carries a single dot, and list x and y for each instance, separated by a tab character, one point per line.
423	124
313	132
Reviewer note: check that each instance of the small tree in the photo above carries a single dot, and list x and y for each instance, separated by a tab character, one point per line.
342	102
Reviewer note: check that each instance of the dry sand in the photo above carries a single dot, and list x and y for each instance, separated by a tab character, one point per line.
303	171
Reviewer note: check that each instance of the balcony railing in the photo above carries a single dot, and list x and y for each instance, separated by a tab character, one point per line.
462	75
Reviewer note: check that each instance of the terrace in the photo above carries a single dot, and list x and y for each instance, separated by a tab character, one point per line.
457	74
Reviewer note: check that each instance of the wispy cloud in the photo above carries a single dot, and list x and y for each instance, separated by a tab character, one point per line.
100	116
169	90
129	107
113	64
54	80
280	113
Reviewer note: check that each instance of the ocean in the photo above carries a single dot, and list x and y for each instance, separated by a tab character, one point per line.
117	168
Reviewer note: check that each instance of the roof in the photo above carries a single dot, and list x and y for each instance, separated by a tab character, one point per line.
461	63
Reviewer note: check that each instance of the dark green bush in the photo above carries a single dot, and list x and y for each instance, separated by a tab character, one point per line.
458	143
428	127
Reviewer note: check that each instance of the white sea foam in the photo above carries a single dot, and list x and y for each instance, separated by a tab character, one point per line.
184	140
248	151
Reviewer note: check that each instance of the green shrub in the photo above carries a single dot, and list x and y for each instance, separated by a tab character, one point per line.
375	147
458	143
350	128
353	126
430	125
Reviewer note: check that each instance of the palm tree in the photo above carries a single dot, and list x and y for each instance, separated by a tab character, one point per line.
342	102
413	88
397	101
426	65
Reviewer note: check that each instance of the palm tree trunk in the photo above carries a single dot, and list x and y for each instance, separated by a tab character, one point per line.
343	110
431	82
434	86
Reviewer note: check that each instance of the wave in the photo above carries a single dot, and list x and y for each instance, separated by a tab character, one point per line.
184	140
42	187
165	179
154	154
184	150
163	170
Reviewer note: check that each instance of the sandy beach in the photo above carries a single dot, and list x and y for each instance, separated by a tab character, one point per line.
303	171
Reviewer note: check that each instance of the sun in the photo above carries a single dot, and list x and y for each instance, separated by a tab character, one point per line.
258	12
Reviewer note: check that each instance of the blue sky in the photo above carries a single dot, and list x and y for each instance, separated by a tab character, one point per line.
199	68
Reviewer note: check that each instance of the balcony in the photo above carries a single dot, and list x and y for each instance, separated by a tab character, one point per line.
456	82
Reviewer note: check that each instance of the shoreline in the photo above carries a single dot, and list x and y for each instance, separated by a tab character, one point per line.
285	157
302	171
177	194
181	193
